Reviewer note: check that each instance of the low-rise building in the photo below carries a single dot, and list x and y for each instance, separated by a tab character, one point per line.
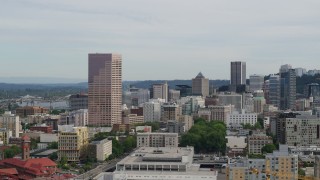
100	149
236	145
31	110
257	141
162	163
242	118
47	138
133	119
157	140
42	128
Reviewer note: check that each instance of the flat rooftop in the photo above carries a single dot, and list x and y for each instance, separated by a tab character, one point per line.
162	155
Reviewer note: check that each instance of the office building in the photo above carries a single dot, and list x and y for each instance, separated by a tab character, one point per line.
241	118
296	129
256	82
73	143
132	119
135	97
174	95
152	111
161	163
157	140
233	99
287	89
238	74
258	104
257	141
200	85
104	89
274	90
215	113
282	165
313	91
30	110
10	122
160	91
170	111
300	71
100	150
78	118
78	101
5	134
185	90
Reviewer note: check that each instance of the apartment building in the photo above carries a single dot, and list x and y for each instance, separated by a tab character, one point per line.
157	140
31	110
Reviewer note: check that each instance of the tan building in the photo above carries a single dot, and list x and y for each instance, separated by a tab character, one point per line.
187	120
258	104
217	113
73	143
281	165
200	85
31	110
160	91
317	167
133	119
257	141
157	140
100	149
4	136
170	112
105	89
10	122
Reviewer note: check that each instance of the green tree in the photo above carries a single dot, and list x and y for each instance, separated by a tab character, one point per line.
53	156
129	143
261	122
12	151
53	145
206	136
268	148
301	172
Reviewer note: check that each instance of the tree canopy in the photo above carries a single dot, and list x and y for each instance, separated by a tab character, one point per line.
268	148
206	136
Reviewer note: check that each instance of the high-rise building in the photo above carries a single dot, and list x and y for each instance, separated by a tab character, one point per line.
256	82
152	111
287	89
159	91
105	89
200	85
300	72
78	101
238	74
274	90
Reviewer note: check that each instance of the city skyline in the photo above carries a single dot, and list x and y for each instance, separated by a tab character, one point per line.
183	34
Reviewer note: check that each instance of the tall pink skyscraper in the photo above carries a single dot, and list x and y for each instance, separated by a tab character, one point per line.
105	89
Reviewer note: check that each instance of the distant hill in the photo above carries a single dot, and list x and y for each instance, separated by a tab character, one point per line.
8	86
172	83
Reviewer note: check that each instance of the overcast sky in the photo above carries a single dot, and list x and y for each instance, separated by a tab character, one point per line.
158	39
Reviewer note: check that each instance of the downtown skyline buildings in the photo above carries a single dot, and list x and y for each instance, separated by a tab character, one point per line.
104	89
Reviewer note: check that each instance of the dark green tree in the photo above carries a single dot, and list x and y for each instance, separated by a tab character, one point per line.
206	136
269	148
53	145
